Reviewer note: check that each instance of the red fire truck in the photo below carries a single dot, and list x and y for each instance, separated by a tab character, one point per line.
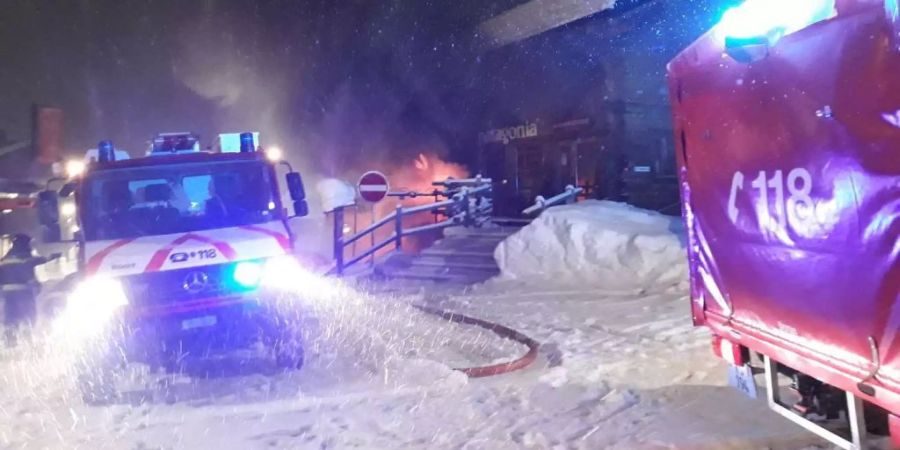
183	249
787	118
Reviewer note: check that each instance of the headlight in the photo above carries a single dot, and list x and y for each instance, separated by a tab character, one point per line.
247	274
68	209
282	272
74	168
100	295
90	307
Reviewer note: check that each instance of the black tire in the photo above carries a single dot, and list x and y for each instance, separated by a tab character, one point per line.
289	357
97	384
876	420
98	372
97	391
284	341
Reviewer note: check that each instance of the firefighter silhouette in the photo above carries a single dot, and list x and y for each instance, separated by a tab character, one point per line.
19	286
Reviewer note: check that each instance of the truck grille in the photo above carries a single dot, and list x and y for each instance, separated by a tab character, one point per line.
173	286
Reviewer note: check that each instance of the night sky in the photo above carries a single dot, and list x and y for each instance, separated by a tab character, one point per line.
329	81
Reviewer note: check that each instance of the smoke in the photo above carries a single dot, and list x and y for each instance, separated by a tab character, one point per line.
235	68
364	119
333	116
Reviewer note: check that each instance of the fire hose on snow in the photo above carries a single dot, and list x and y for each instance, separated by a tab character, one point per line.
505	332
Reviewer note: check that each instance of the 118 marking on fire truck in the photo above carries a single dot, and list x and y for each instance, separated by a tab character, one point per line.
199	254
797	207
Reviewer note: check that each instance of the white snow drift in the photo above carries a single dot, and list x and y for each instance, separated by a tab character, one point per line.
596	243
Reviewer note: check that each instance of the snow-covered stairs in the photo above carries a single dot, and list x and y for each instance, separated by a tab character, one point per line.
463	256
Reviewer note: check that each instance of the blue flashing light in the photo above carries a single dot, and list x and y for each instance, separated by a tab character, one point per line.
772	19
247	274
106	152
247	144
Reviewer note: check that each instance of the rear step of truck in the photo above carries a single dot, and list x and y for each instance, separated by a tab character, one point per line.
855	415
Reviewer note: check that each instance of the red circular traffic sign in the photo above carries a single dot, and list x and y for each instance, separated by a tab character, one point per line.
372	186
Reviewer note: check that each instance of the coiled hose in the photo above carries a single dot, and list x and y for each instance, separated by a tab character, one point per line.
500	330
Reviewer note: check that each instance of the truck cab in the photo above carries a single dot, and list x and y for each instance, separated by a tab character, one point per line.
186	247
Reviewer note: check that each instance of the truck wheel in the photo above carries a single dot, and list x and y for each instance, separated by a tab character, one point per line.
284	340
97	390
289	360
97	384
287	348
876	420
97	376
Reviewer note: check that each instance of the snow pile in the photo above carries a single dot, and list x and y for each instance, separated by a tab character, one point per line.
597	243
335	193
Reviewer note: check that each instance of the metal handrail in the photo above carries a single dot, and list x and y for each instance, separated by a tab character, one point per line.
451	222
457	182
541	203
371	251
464	213
429	207
478	190
369	229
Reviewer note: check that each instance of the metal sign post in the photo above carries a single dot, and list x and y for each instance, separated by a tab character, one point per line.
372	240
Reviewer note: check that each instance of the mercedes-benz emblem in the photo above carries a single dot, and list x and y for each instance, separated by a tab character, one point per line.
196	282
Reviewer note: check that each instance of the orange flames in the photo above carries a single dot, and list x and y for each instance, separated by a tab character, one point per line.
412	176
428	168
422	162
415	175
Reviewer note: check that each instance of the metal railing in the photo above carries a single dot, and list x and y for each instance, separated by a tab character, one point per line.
540	203
468	204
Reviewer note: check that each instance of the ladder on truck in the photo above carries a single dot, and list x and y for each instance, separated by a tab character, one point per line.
857	438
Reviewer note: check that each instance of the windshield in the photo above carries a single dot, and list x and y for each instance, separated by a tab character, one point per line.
167	199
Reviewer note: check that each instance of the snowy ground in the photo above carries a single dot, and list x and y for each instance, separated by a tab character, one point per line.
619	368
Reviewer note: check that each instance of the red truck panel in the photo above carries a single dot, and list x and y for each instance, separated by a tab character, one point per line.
790	175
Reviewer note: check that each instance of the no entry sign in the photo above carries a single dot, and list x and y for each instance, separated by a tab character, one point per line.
372	186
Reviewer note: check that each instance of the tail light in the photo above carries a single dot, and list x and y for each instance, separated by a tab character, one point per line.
735	354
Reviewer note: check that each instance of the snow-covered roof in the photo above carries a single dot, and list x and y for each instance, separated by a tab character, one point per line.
536	17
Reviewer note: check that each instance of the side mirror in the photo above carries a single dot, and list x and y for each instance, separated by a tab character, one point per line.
301	208
295	187
48	208
67	190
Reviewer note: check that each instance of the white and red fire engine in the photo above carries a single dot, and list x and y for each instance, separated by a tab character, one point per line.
181	247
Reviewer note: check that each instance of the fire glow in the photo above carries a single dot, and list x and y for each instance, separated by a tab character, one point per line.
426	168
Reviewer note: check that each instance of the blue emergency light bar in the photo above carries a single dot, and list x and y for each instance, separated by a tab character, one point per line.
766	21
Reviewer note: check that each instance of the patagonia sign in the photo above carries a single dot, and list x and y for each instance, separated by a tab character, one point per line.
506	135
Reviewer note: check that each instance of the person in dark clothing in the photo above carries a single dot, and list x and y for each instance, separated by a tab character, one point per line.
19	285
